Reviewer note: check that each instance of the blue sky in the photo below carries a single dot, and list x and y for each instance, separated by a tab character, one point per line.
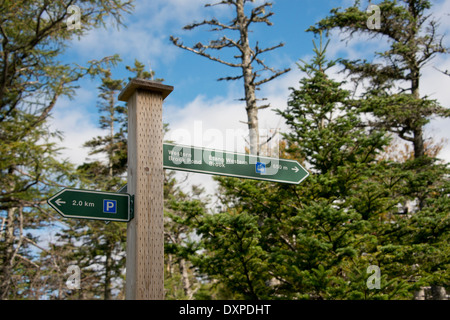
198	100
146	38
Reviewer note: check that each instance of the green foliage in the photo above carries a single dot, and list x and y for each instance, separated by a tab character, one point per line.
234	255
141	73
182	212
394	76
32	79
358	208
317	240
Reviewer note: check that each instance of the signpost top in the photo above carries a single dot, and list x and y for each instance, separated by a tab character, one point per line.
144	84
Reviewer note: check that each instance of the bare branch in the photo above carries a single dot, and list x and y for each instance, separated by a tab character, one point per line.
202	53
230	78
246	57
260	51
264	19
35	244
220	26
19	243
276	75
28	260
446	72
219	3
224	42
261	10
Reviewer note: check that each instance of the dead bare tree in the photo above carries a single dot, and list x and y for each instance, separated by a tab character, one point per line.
255	72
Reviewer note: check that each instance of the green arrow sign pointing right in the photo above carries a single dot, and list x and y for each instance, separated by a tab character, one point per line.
239	165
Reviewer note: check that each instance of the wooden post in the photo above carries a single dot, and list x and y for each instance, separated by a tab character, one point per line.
145	233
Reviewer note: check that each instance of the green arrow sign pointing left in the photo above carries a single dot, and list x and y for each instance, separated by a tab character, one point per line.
97	205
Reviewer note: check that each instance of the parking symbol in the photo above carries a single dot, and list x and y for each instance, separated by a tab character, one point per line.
260	167
109	206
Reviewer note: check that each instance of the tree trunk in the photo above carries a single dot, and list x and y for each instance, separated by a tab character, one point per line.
111	134
7	255
107	290
431	293
246	57
419	149
418	142
111	149
185	279
249	84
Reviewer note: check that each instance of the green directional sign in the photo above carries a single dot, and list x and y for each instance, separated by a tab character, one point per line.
239	165
97	205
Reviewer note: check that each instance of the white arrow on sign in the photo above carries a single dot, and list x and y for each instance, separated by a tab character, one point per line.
295	169
59	202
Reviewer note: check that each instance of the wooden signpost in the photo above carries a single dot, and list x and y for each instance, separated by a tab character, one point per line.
140	202
145	233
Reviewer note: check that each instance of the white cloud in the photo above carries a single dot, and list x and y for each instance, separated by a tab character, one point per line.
204	123
441	12
216	123
435	84
146	33
213	122
75	123
206	120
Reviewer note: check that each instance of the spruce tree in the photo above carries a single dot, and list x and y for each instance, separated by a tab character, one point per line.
393	99
181	211
345	199
33	36
315	240
394	76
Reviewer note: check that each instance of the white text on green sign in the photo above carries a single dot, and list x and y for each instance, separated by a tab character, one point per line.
97	205
239	165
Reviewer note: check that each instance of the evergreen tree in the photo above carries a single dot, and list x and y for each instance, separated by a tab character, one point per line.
181	211
393	95
315	240
112	114
393	99
33	35
349	199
